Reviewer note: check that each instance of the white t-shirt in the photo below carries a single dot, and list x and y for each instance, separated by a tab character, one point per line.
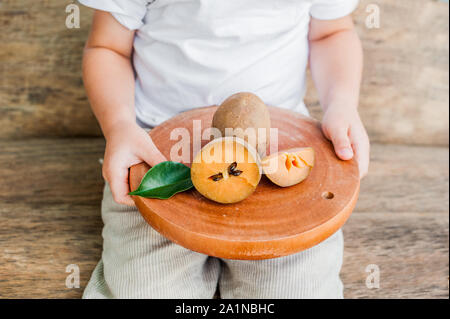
193	53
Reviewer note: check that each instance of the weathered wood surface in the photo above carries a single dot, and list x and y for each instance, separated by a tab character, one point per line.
404	96
51	171
38	242
41	89
50	193
410	249
406	179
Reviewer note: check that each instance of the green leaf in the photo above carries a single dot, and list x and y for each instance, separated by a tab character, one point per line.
164	180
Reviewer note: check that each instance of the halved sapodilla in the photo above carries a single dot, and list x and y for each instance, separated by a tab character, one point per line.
227	170
289	167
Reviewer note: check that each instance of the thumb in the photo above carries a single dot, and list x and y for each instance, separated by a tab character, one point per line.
151	155
341	143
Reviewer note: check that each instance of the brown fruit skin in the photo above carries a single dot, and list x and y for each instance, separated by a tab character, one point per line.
244	110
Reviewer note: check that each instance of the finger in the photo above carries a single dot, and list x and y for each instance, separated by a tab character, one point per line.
151	154
341	142
119	187
361	147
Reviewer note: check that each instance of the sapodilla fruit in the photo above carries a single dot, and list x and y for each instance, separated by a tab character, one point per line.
289	167
244	115
227	170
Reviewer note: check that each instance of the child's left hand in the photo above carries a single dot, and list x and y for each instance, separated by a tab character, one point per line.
344	128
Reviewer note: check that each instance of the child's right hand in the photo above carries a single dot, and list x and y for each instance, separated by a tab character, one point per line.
127	144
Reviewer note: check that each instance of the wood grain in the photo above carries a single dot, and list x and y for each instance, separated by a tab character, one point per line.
38	242
51	171
57	223
406	179
50	189
50	194
41	88
410	249
273	221
404	95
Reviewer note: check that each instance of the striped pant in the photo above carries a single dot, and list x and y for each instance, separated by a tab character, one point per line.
137	262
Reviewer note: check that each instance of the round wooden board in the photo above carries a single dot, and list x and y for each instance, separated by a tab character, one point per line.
273	221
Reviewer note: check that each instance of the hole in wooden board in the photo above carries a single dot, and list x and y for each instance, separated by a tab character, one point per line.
328	195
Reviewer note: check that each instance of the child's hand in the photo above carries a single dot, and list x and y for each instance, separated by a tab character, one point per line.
345	129
126	145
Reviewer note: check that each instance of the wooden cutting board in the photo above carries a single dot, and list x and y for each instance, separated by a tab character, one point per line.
273	221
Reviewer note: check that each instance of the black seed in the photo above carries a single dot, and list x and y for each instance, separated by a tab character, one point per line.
236	172
216	177
232	167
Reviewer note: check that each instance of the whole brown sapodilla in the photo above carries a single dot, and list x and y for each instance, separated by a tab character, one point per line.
247	117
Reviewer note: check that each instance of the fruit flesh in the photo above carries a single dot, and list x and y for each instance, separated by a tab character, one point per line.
226	170
289	167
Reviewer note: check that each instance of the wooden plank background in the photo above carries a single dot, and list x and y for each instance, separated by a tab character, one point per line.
51	187
53	220
404	96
